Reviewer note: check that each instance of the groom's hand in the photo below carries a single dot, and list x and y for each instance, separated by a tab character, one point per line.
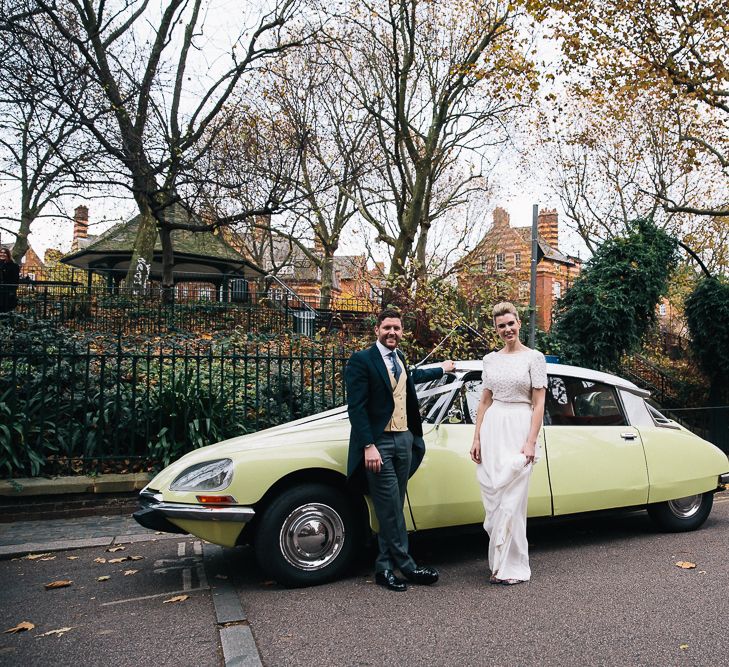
448	366
372	459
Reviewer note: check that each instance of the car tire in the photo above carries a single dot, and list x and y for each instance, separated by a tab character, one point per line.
308	535
682	514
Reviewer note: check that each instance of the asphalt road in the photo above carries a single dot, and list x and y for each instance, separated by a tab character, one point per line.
123	621
605	591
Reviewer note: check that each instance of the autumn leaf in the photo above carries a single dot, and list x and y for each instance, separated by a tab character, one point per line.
59	632
60	583
683	647
177	598
99	560
72	557
119	560
130	572
48	558
685	565
23	626
36	556
136	557
106	577
112	550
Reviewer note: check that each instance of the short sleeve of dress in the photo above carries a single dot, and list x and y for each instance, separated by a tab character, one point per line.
486	382
538	371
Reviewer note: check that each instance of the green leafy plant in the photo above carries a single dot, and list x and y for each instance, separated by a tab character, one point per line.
613	303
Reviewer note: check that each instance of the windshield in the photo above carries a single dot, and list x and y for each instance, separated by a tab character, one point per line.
432	396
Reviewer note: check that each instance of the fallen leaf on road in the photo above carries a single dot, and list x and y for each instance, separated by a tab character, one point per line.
686	565
111	550
177	598
60	583
683	647
59	632
36	556
119	560
20	627
128	572
99	560
72	557
136	557
104	578
48	558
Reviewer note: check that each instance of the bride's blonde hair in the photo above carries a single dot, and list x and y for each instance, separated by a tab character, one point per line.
504	308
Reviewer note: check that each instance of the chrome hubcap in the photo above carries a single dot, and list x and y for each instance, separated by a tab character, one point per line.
312	536
685	507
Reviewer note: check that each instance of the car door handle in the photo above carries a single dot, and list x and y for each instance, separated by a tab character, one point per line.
628	436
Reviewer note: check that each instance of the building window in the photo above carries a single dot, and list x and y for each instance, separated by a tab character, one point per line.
662	310
500	261
523	290
557	290
517	260
239	290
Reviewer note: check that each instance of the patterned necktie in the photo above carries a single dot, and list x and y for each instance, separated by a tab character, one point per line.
396	370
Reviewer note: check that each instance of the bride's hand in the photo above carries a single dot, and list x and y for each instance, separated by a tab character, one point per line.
529	450
476	452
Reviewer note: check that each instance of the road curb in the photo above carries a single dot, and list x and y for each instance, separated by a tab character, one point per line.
236	638
15	550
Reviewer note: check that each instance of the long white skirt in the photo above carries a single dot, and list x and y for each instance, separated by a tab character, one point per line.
503	475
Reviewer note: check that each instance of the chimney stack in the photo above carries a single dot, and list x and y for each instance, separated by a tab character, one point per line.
80	226
547	227
501	217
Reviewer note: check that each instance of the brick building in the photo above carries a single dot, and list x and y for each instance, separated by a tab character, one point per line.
30	264
504	254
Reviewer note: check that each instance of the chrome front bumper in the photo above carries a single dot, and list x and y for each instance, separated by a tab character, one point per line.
155	513
724	479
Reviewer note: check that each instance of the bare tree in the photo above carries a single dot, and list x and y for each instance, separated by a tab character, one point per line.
675	53
440	82
44	152
161	85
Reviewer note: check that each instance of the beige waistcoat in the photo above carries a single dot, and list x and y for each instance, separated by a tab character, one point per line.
399	421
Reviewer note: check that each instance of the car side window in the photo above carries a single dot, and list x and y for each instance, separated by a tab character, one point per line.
576	402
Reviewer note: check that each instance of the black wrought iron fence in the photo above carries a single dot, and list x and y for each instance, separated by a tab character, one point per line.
710	423
67	297
75	410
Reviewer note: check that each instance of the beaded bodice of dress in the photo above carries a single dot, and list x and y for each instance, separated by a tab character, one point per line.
511	377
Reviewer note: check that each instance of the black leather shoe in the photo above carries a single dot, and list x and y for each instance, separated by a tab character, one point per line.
388	579
422	575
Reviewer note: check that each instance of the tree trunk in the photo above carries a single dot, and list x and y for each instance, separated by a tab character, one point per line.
168	260
137	278
21	238
327	280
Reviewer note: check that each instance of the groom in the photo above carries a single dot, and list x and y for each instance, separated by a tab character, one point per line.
386	442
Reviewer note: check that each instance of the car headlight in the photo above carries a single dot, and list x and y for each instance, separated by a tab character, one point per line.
207	476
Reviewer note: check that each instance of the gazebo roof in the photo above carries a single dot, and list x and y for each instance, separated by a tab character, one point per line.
198	256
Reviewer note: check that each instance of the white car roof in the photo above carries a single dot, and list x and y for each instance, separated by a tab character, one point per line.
565	370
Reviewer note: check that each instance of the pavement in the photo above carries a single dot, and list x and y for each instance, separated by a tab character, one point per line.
18	539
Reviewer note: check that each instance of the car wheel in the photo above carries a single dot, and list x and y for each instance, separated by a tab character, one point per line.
308	535
682	514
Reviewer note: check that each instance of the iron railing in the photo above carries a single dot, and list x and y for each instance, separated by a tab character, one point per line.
68	297
74	410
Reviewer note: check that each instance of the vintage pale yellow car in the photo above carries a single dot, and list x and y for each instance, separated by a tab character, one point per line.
284	491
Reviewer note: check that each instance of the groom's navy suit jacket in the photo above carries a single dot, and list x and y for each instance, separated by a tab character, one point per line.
370	405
